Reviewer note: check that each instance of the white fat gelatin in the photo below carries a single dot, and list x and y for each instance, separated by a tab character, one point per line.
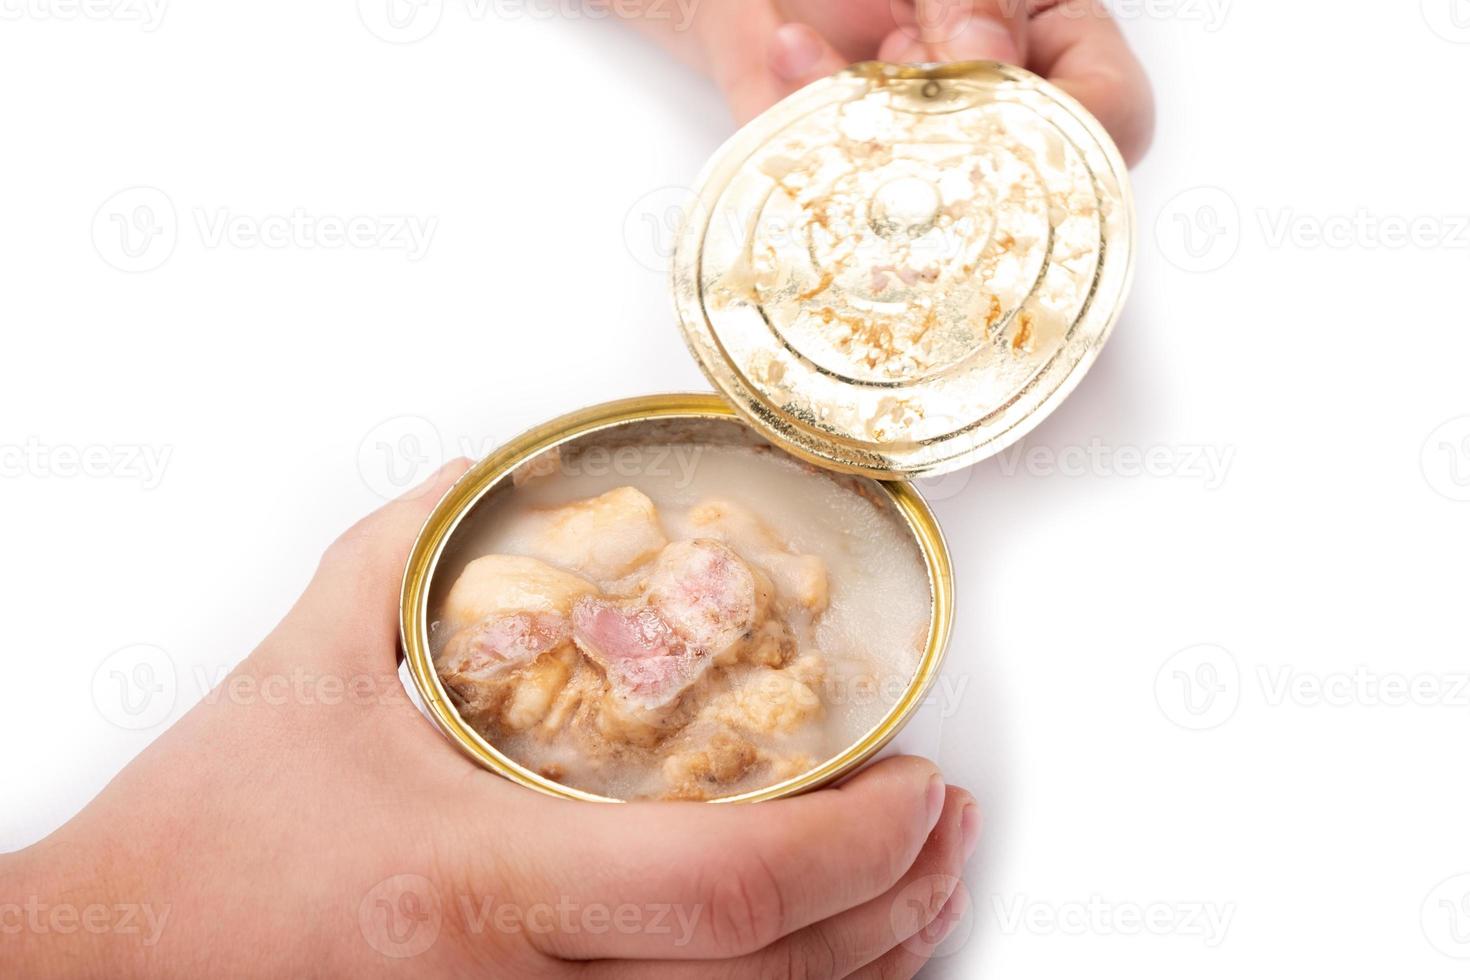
869	638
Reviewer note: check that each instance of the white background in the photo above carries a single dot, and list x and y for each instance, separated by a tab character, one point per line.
1326	545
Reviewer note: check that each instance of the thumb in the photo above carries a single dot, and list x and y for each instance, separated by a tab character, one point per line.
349	612
740	876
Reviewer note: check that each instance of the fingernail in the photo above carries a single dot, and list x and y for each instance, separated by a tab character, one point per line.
970	829
795	51
982	39
934	799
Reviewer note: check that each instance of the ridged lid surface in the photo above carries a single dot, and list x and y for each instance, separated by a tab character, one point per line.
898	271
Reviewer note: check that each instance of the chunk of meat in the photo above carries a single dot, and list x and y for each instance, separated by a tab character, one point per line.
648	665
708	595
510	617
702	773
497	585
789	766
536	689
481	664
602	538
498	643
583	684
800	580
699	605
770	645
769	702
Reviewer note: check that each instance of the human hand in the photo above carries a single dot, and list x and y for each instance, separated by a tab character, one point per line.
305	818
759	51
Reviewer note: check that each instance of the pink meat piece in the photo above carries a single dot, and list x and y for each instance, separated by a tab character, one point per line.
496	644
707	594
646	662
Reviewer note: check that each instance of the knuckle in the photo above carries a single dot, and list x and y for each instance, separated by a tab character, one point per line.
812	957
747	906
900	968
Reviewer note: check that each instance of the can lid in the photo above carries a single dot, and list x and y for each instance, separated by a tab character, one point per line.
900	270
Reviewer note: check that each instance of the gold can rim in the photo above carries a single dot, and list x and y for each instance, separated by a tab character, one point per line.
479	480
770	355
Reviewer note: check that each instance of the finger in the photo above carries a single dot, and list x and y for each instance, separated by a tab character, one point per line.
739	877
849	941
907	959
967	30
1079	47
960	30
349	611
855	28
757	60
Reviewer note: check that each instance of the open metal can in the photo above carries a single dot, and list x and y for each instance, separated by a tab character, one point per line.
893	273
674	417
